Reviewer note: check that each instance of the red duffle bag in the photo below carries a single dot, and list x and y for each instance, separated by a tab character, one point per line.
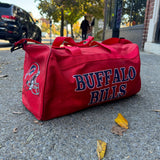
60	80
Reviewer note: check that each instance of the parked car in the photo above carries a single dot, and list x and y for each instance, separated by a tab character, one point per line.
16	23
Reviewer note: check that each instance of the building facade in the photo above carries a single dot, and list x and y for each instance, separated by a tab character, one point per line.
151	34
145	33
130	14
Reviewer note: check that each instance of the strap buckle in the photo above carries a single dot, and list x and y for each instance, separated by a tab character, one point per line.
18	46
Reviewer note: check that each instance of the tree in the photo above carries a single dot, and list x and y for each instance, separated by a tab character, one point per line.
72	14
105	19
55	29
52	9
45	27
47	9
76	28
70	10
95	8
134	10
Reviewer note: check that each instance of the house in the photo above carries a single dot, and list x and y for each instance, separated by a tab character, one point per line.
151	35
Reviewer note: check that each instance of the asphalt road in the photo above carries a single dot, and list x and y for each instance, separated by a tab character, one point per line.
73	137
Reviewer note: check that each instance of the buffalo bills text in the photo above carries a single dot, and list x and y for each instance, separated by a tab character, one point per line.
105	85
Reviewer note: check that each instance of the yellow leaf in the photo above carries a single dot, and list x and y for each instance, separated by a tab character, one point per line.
121	121
101	149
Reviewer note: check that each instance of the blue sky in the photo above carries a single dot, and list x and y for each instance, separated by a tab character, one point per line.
28	5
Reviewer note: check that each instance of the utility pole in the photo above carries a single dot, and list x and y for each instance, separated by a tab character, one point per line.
117	18
62	22
105	20
131	11
50	22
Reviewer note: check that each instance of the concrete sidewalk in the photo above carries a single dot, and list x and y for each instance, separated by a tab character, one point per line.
73	137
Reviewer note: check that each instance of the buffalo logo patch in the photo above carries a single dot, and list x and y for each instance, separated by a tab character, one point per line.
30	78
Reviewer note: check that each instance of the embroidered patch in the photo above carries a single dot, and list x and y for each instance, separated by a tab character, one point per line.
30	79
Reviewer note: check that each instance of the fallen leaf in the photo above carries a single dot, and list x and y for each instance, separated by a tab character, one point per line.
20	58
30	138
121	121
118	130
3	76
17	69
156	110
101	149
15	130
38	122
5	63
14	112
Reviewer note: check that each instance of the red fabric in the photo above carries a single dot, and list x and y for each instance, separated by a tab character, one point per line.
62	80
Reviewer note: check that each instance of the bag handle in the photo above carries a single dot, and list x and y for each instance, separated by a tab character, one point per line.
111	41
69	41
109	48
74	49
108	42
20	44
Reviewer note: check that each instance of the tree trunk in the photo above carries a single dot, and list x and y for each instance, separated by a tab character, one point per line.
105	19
72	31
62	22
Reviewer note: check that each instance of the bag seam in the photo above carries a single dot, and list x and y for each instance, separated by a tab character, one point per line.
45	81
